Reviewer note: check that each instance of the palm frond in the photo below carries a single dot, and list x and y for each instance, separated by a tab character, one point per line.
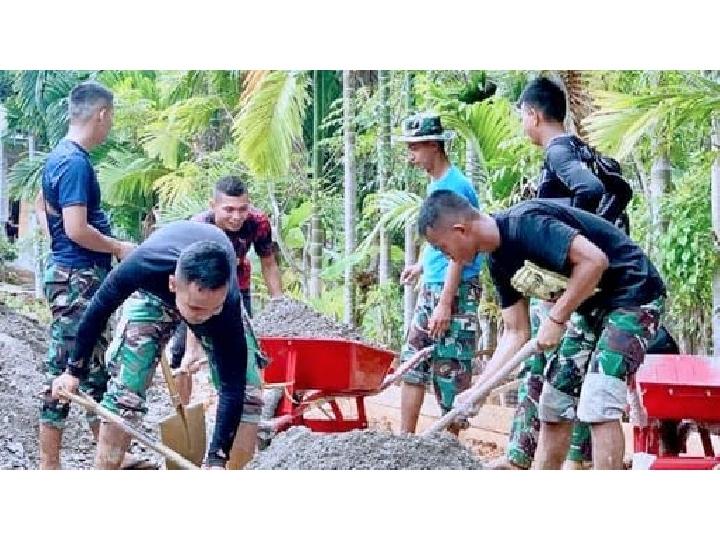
127	178
487	126
25	177
161	141
623	119
183	207
393	209
193	115
270	121
180	184
253	81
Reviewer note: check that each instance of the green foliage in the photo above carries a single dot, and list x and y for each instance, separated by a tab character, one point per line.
382	319
270	123
688	256
8	250
623	119
25	177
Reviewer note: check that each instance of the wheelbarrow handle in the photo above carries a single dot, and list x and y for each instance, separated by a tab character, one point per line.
482	389
406	366
160	448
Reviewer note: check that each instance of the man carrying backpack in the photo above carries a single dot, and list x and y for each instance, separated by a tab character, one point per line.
575	175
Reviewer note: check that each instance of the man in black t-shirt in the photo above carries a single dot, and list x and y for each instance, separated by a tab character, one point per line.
183	271
607	330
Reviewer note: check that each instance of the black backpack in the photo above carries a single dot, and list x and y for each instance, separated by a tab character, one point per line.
618	192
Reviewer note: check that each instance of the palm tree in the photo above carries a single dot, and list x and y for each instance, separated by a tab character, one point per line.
715	206
350	194
579	99
384	166
409	295
316	231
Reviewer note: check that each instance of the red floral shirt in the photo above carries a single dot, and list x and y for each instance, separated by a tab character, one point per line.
255	230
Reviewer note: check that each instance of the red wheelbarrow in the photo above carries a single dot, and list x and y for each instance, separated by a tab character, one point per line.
674	388
315	371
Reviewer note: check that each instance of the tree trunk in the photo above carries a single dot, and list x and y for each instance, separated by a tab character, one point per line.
660	177
316	233
579	100
36	234
350	194
472	167
384	166
715	209
4	203
409	296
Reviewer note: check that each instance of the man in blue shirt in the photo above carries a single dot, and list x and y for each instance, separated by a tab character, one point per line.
81	249
446	311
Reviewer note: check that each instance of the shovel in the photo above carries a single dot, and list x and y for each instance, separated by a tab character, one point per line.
481	390
170	455
183	431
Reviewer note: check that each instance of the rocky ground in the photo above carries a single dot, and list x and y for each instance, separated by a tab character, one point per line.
23	347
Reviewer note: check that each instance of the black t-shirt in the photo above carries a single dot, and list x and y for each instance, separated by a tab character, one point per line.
148	268
541	231
567	178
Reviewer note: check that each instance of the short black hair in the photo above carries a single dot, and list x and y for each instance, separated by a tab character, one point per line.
206	264
231	186
443	205
86	97
547	96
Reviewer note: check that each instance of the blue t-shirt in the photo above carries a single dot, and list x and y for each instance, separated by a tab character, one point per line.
69	180
434	262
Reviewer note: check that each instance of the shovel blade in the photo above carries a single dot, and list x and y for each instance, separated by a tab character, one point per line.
189	443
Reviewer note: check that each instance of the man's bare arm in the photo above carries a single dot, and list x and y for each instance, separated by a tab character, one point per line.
82	233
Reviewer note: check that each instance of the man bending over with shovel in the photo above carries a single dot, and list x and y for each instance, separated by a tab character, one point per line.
595	335
184	271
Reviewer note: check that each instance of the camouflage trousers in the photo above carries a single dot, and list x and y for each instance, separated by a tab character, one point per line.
68	292
587	376
146	326
525	428
449	367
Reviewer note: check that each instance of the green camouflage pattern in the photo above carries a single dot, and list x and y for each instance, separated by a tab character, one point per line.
256	361
449	367
146	327
610	343
68	292
525	429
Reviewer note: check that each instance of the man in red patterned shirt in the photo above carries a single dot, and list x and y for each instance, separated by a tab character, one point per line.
244	225
230	209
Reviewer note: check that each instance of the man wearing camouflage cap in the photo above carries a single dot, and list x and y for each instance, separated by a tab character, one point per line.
446	310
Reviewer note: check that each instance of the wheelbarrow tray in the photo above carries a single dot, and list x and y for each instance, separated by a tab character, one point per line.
676	387
332	366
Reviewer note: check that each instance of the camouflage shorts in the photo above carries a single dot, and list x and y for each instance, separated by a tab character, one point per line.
586	378
256	361
68	292
147	325
525	429
449	367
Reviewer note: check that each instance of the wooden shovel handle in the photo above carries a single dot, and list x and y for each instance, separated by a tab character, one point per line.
482	388
160	448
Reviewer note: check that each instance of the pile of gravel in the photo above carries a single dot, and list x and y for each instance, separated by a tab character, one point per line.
300	448
23	348
286	317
